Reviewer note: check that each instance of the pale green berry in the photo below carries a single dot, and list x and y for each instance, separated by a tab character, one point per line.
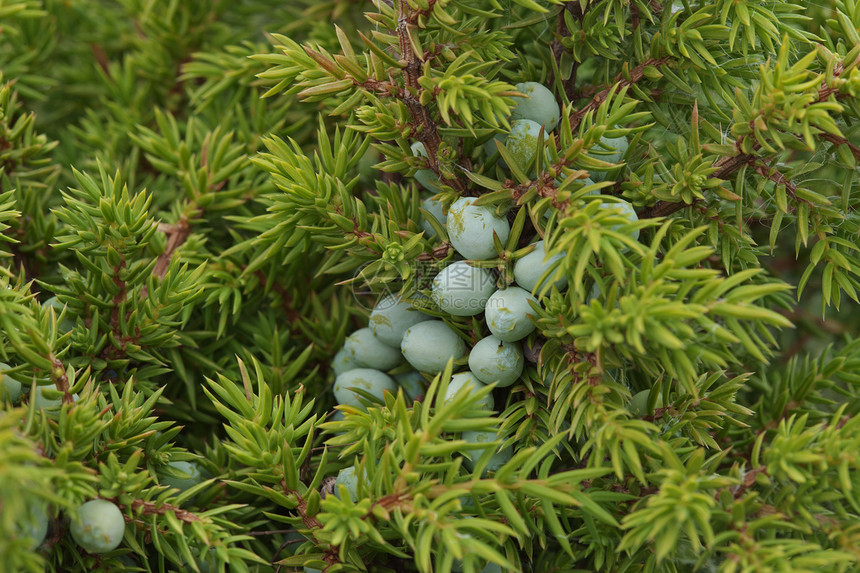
343	362
99	527
428	180
191	477
425	177
639	403
494	360
66	325
529	269
539	105
508	312
338	416
587	182
412	383
10	389
522	142
363	347
471	229
374	382
366	163
466	382
49	399
594	293
457	565
617	147
500	457
347	478
391	317
461	289
35	523
627	211
434	209
428	346
209	561
611	150
491	147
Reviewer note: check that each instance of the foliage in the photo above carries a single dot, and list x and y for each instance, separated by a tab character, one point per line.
216	193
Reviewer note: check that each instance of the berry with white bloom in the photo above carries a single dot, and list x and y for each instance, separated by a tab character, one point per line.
529	269
627	211
371	352
10	389
425	177
391	317
34	523
500	457
434	209
611	150
471	229
191	477
638	405
522	142
342	362
461	289
467	382
347	478
412	383
494	360
100	526
49	399
539	105
428	346
371	381
508	312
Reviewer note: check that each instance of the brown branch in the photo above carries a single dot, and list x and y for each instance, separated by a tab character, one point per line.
310	522
61	381
729	165
439	252
112	352
836	140
636	74
176	236
178	233
749	480
28	266
635	15
428	135
778	179
725	167
288	301
150	508
101	57
427	132
557	49
825	92
119	297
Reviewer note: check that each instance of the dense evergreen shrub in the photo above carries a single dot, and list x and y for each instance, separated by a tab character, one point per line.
217	218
